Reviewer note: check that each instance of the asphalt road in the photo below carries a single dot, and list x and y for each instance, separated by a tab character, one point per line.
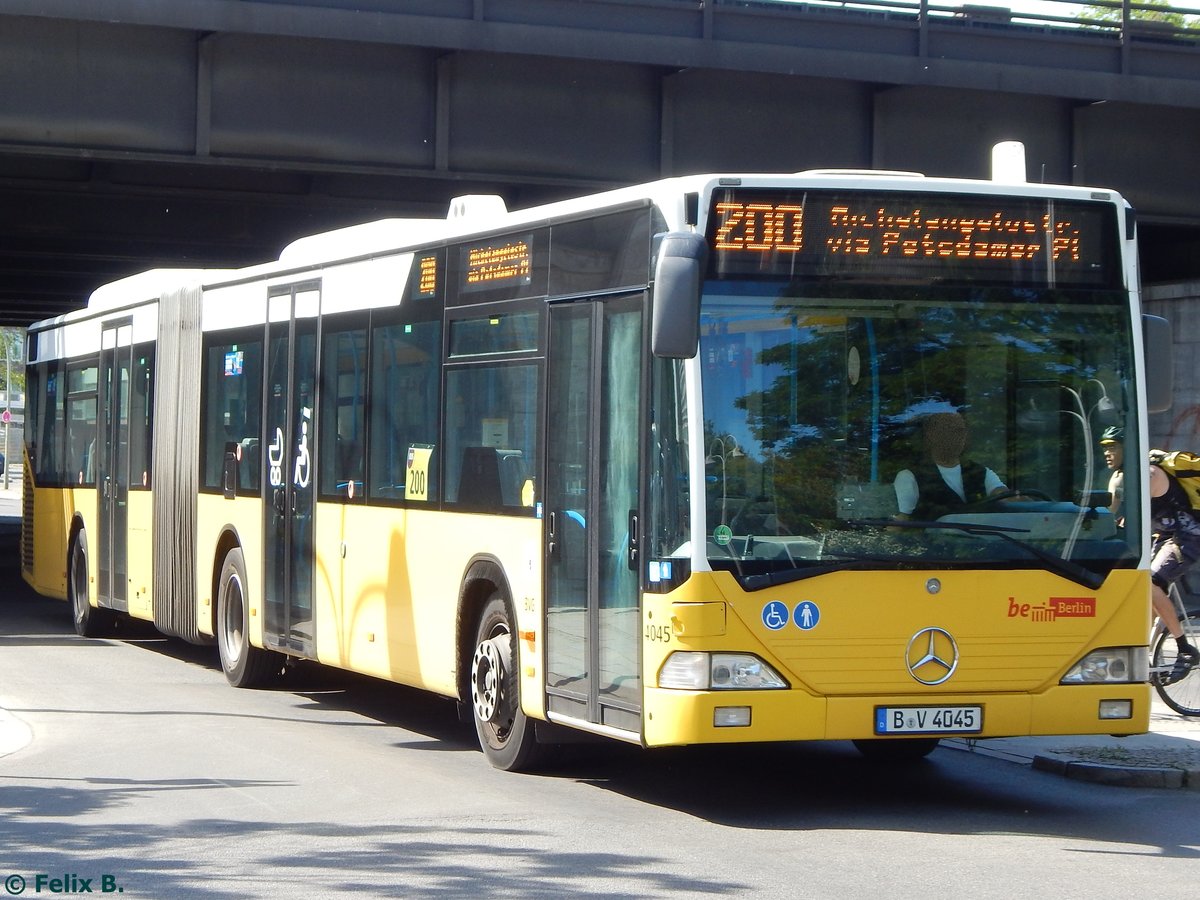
144	773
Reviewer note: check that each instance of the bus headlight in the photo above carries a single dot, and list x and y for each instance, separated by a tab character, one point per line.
1109	665
695	671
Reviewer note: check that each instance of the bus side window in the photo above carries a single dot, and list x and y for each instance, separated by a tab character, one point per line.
406	361
490	436
343	414
81	424
232	413
141	416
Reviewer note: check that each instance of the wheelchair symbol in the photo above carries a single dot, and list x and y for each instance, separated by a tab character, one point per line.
775	615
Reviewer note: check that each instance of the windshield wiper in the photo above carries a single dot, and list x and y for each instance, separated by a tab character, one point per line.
1056	564
774	579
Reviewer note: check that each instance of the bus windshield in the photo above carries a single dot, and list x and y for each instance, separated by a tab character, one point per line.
883	421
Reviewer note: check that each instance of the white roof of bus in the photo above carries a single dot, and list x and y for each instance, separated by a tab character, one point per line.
361	240
482	212
479	213
147	285
393	234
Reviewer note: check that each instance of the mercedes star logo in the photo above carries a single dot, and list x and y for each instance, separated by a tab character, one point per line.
932	656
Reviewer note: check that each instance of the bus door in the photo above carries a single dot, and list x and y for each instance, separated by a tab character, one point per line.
594	409
112	464
290	443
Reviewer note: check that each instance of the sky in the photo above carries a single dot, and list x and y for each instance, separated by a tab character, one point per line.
1038	7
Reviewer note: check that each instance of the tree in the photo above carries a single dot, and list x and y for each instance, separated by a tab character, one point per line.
12	346
1163	12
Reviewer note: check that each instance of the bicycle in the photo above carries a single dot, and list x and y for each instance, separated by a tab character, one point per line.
1182	695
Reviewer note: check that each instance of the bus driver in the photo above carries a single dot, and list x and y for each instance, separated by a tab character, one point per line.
945	481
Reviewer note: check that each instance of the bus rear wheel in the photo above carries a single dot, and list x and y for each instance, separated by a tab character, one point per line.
244	664
505	733
90	621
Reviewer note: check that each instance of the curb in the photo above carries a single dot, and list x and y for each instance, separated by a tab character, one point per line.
1117	776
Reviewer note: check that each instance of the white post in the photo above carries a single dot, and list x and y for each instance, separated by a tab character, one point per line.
7	407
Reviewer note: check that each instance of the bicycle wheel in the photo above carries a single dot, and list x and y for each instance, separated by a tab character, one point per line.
1183	695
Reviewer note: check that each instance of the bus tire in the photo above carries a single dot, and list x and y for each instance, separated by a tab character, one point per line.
505	733
244	664
90	621
896	750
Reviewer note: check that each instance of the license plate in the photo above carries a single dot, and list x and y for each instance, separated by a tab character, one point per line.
928	719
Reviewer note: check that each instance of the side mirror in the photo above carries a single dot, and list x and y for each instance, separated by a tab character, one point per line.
678	274
1160	363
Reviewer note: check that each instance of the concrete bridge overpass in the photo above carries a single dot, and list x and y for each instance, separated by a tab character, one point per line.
140	133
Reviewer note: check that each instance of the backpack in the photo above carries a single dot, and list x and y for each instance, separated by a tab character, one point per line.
1184	467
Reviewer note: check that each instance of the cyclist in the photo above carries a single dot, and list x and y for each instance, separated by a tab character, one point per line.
1176	529
1112	445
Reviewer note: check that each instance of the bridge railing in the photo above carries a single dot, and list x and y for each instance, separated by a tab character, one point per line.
1112	18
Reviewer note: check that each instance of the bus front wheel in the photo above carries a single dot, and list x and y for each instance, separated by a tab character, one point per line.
90	621
505	733
244	664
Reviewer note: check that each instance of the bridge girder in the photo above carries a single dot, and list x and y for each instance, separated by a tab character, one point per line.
140	133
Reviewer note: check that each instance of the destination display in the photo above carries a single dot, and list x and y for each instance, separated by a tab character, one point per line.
427	275
873	234
497	264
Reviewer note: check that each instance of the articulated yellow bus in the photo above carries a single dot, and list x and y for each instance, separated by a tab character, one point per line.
653	464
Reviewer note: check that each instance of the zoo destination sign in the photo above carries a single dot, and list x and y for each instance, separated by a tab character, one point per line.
947	237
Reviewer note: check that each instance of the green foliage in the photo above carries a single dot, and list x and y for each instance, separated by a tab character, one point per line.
12	347
1163	11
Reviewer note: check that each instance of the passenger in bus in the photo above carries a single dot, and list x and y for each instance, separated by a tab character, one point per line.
1175	527
1112	445
945	481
